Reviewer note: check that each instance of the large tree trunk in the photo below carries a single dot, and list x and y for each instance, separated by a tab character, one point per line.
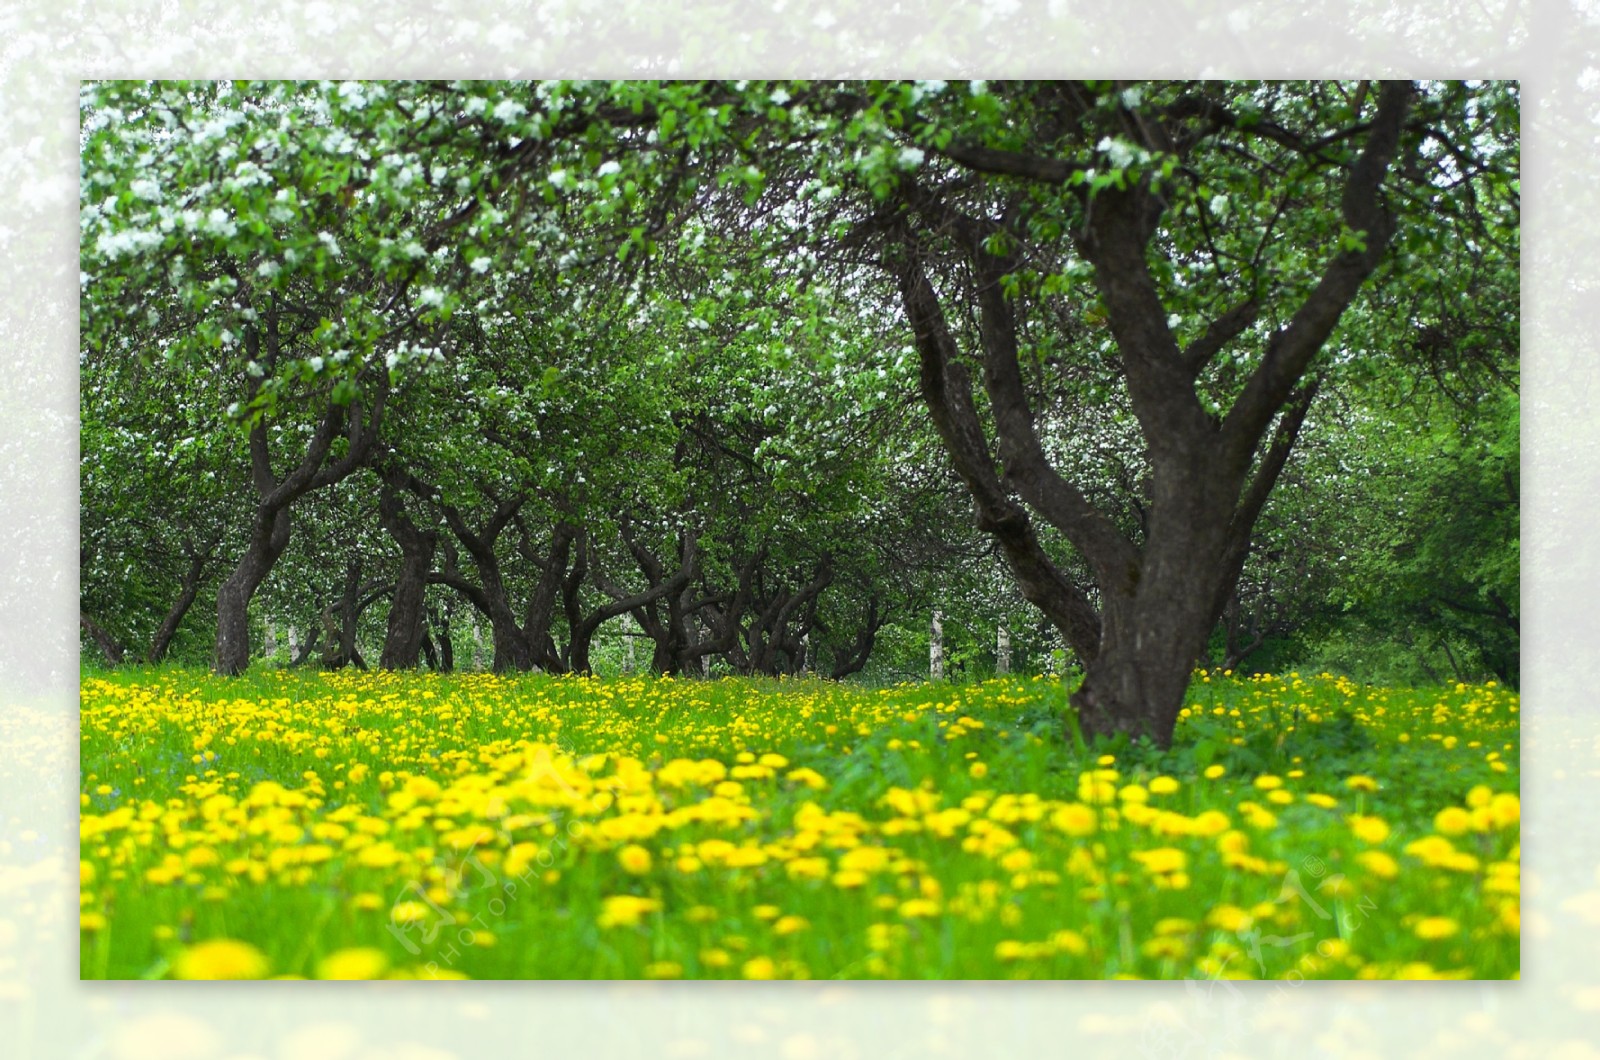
1158	598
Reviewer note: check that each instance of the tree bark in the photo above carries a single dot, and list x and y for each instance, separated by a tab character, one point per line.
269	536
402	642
270	524
1160	598
109	646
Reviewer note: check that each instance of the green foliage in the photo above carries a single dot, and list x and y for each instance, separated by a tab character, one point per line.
663	304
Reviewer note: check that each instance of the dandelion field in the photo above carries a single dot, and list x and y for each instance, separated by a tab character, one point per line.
292	824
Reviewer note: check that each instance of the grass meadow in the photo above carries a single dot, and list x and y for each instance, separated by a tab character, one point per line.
294	824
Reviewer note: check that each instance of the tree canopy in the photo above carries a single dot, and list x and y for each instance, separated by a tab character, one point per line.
749	372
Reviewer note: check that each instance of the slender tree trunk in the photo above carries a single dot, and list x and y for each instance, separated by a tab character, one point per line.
439	619
936	648
109	647
190	586
1002	649
349	615
402	641
268	538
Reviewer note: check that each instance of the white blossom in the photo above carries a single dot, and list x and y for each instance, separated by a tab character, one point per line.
508	110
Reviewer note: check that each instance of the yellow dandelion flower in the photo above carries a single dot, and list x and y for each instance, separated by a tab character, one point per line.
221	959
634	859
790	925
1162	859
1436	927
1075	819
1069	941
358	962
1368	829
760	968
625	910
1505	809
1009	950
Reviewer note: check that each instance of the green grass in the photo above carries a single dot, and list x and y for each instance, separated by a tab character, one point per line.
492	827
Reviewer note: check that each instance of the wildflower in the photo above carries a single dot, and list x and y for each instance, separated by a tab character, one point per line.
760	968
1214	771
634	859
360	962
1229	918
1506	809
1372	830
1161	859
625	910
1069	941
1075	819
1436	927
221	959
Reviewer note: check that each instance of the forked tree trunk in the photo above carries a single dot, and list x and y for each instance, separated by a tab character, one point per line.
1158	598
270	528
